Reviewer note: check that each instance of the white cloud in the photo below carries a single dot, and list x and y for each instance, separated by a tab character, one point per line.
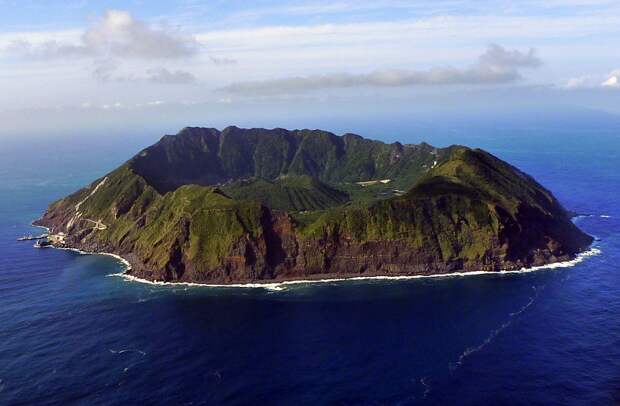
496	65
110	43
220	61
253	13
568	43
370	48
581	82
108	71
104	70
438	29
610	80
167	77
613	79
497	56
116	105
117	34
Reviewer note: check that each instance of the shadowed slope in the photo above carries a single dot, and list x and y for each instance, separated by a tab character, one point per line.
209	157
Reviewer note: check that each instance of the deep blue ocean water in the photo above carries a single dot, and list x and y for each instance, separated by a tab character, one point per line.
72	334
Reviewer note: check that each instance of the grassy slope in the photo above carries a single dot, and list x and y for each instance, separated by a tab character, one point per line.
458	210
291	193
455	210
203	220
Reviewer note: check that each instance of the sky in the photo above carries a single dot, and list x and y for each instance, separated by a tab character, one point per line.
78	64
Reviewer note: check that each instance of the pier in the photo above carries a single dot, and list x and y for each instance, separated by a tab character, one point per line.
32	237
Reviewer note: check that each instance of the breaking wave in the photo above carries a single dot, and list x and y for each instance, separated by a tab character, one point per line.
279	286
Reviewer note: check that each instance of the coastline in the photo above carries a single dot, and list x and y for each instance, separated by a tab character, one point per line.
593	251
281	285
122	260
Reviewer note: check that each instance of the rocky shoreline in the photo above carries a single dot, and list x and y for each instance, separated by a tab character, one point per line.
137	270
278	284
464	211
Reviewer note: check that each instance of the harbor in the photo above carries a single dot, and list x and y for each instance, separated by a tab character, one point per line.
32	237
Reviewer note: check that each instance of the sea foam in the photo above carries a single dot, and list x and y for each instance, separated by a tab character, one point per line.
278	286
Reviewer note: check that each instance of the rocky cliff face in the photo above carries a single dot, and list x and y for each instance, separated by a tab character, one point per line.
464	211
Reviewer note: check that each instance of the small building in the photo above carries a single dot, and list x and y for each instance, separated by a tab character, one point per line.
57	238
373	182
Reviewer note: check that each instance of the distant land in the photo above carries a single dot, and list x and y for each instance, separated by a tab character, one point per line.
268	205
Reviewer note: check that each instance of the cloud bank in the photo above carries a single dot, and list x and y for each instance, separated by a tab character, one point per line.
115	57
495	66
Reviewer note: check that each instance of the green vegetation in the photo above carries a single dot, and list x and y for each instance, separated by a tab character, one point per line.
203	220
209	157
292	193
205	201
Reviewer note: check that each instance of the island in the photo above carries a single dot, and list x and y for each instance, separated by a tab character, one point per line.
267	205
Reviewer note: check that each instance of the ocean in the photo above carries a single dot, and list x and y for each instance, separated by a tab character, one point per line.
73	332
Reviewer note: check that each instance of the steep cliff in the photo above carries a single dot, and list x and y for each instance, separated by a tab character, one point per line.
262	205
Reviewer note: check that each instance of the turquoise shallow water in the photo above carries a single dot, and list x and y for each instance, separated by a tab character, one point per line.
71	333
